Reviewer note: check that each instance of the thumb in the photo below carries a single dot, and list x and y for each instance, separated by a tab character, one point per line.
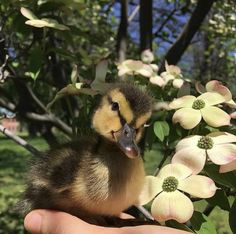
55	222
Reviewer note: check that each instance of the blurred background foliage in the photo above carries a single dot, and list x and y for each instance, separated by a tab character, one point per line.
36	63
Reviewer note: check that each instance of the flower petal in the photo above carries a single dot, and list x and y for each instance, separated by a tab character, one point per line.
132	64
216	86
123	70
185	101
154	67
173	205
147	56
167	77
192	157
177	83
222	154
172	69
228	167
145	70
178	171
233	115
231	103
190	141
157	80
222	137
199	87
198	186
215	117
187	117
211	98
151	188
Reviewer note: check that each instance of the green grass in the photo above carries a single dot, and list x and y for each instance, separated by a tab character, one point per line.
13	164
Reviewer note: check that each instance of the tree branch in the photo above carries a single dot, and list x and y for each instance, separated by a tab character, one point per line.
145	22
51	119
8	105
135	11
20	141
165	22
178	48
35	98
121	46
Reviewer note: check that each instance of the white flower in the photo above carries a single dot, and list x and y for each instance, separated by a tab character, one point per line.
166	190
194	150
147	56
192	109
132	67
172	73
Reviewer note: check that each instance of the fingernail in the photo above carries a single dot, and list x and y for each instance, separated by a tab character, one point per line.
33	222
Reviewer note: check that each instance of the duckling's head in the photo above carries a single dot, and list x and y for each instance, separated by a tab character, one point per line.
121	117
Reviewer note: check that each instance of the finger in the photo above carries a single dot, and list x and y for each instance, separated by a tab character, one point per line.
54	222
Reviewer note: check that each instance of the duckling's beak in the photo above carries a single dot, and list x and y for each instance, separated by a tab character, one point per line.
125	138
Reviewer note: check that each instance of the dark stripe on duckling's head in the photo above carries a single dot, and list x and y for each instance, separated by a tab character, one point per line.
115	107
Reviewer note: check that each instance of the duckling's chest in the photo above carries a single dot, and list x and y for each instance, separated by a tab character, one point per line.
111	185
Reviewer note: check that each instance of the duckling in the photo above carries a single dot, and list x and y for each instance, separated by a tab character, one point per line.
100	175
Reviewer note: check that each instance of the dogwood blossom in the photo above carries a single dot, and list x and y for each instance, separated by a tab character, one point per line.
173	73
147	56
194	150
131	67
166	190
218	87
192	109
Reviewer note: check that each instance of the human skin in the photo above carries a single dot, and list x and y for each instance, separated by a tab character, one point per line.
55	222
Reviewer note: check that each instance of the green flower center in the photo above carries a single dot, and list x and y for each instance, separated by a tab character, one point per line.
205	142
170	184
198	104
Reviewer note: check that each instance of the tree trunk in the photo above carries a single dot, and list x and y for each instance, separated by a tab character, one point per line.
145	22
122	32
178	48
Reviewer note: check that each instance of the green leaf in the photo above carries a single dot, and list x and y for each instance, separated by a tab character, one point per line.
161	129
71	90
28	14
35	62
219	199
202	224
150	137
99	83
46	22
232	217
78	85
74	74
38	23
226	179
101	71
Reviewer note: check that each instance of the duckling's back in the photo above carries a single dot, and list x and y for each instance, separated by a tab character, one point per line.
87	177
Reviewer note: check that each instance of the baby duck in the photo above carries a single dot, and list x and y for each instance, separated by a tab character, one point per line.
100	175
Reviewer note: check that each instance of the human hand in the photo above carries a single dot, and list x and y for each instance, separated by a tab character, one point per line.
56	222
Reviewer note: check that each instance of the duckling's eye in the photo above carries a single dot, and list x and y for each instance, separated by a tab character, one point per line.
114	106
